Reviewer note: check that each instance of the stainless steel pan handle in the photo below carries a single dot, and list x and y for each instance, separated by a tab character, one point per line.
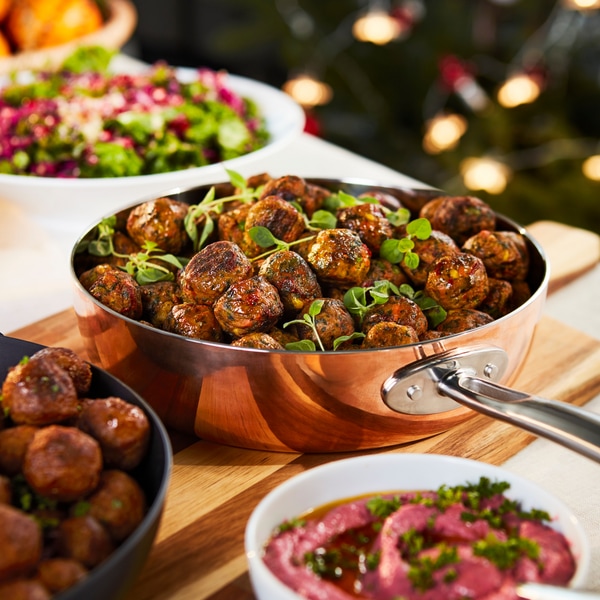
438	383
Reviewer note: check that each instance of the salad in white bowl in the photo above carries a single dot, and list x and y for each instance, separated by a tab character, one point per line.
86	139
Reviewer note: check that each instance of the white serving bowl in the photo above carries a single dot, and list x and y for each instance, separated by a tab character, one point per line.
67	206
351	477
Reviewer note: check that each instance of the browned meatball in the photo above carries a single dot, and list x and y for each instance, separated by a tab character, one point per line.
338	256
295	281
232	223
397	309
460	216
13	444
23	589
521	292
158	299
58	574
257	340
78	369
382	269
248	306
369	221
288	187
498	301
504	253
463	319
114	288
457	281
20	542
283	336
280	217
39	392
121	428
436	245
332	322
118	504
385	334
5	490
314	199
160	221
62	463
211	271
84	539
195	321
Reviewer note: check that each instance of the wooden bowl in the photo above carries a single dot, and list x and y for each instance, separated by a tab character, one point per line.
116	31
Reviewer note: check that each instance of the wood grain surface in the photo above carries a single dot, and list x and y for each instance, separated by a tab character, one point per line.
199	550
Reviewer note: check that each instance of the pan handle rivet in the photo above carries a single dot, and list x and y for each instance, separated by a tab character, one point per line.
490	371
414	392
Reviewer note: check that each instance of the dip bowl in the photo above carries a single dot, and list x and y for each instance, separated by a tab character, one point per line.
114	577
374	474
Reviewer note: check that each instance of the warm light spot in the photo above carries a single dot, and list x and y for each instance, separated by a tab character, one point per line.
443	132
518	89
308	91
485	174
591	167
582	4
377	27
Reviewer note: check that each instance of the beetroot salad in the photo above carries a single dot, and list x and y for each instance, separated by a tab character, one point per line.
463	542
94	123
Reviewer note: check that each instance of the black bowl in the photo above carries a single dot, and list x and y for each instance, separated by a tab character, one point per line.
116	575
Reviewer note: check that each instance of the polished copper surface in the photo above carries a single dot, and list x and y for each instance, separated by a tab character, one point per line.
291	401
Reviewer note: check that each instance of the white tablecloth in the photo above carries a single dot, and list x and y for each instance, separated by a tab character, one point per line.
34	265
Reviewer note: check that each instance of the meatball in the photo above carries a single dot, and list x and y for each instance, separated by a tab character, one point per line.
457	281
498	301
248	306
24	589
314	199
463	319
460	216
5	490
295	281
333	321
158	299
289	187
39	392
78	369
13	444
84	539
62	463
262	341
160	221
232	223
122	429
114	288
436	245
382	269
195	321
385	334
504	253
369	221
397	309
280	217
211	271
20	541
58	574
339	257
118	504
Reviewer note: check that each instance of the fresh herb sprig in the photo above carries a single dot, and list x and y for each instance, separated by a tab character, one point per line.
209	205
309	319
399	250
265	239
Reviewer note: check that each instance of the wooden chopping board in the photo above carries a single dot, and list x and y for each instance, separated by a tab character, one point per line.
199	548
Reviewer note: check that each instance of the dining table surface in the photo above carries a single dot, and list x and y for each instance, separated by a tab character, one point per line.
199	549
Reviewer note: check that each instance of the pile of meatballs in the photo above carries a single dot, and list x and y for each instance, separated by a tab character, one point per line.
234	291
67	495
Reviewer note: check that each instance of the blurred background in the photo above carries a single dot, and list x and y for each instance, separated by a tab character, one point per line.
498	98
